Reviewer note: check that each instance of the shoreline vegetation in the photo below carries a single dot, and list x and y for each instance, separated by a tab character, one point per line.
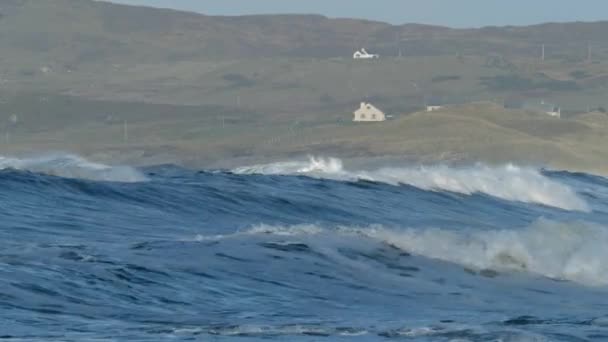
480	132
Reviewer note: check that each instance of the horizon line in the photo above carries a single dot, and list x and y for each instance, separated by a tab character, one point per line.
472	27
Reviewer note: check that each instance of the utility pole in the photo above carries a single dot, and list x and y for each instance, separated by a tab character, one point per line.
398	43
13	120
125	131
542	58
589	53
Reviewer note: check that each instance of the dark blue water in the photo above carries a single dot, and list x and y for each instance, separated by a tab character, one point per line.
90	252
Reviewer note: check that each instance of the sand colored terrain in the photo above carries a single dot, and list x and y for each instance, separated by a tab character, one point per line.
481	132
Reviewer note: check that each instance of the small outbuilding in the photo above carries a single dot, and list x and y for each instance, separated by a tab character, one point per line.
362	54
433	108
368	113
543	107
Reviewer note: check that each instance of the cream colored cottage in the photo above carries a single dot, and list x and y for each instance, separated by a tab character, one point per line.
368	113
363	54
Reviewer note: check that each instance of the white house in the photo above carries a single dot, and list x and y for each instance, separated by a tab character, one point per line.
433	108
543	107
368	113
362	54
556	112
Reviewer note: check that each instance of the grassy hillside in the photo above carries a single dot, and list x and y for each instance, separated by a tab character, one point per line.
99	30
203	87
208	135
288	62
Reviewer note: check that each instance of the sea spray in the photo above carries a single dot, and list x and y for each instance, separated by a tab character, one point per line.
71	166
572	251
509	182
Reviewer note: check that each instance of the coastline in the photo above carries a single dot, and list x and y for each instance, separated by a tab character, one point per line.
483	133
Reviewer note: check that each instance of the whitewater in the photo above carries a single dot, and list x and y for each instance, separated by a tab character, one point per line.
508	182
303	249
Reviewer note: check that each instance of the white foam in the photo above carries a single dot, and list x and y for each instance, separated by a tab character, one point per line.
259	330
600	322
565	251
302	229
71	166
298	230
471	332
573	251
312	166
509	182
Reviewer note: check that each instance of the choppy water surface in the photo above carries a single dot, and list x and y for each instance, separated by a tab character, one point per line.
301	250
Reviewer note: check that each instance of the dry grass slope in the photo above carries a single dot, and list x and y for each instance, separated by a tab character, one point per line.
479	132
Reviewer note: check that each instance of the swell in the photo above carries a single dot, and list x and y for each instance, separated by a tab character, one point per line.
509	182
71	166
562	251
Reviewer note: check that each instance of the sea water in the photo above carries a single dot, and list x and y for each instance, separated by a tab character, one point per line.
305	249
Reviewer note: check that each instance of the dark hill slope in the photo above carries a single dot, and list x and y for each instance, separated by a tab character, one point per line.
77	32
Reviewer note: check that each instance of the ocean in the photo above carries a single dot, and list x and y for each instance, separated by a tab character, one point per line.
309	249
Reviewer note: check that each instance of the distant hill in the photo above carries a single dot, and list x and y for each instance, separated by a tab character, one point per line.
71	33
295	63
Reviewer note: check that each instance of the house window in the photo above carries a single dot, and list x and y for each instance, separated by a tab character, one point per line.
363	116
374	116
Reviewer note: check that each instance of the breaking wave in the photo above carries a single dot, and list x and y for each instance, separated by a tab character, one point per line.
509	182
71	166
573	251
441	330
298	258
563	251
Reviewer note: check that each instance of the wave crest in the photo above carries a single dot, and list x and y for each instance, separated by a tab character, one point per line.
565	251
509	182
71	166
573	251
